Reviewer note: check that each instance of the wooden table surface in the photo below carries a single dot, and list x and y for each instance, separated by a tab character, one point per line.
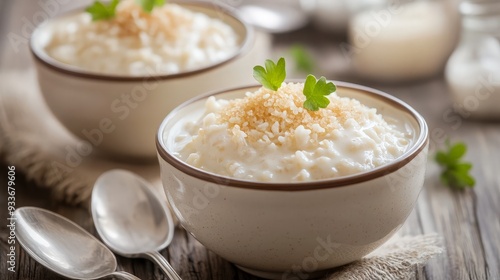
467	220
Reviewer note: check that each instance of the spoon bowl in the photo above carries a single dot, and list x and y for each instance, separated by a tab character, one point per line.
63	246
130	217
280	17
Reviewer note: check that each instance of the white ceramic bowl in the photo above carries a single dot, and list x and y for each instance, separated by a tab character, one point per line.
272	230
93	106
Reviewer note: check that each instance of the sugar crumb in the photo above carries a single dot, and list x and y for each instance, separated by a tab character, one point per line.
274	115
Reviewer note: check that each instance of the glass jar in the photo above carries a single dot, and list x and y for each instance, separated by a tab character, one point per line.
473	70
403	40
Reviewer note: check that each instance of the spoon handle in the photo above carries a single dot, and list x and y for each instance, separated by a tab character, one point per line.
163	263
125	275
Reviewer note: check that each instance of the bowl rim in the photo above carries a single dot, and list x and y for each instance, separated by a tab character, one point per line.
418	146
244	47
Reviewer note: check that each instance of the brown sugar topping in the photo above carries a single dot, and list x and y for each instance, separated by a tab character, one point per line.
132	20
274	114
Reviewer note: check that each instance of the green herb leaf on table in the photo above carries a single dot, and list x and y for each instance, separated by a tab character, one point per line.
272	76
316	92
149	5
100	11
455	172
303	60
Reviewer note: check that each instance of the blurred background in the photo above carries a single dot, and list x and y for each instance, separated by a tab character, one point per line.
372	42
442	57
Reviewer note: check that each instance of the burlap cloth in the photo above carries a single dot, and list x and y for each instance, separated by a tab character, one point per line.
36	143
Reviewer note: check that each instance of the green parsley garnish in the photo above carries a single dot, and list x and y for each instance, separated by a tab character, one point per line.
303	60
149	5
100	11
315	92
455	172
273	76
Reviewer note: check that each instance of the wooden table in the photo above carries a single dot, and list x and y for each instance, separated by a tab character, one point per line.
468	220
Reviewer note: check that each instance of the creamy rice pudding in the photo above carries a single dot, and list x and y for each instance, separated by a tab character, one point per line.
169	40
268	136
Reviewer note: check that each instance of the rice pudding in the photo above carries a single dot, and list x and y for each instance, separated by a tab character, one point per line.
268	136
169	40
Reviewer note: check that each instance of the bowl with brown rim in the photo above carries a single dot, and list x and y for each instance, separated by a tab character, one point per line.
119	115
288	230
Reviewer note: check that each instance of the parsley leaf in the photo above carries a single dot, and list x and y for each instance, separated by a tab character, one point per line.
272	76
455	172
100	11
316	92
303	60
148	5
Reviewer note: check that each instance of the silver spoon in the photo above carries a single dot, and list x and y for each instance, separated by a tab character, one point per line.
131	219
273	16
63	246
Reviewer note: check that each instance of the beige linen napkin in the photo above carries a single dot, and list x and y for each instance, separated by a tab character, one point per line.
36	143
397	259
